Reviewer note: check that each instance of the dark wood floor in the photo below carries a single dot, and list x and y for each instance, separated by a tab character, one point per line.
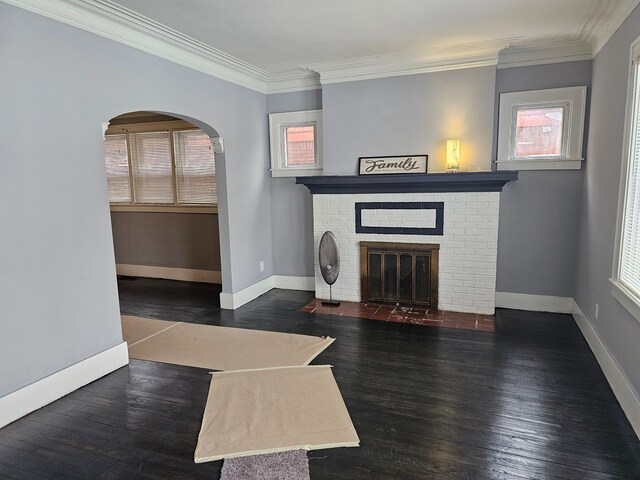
528	401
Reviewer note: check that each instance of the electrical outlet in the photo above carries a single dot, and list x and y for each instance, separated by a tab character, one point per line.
262	265
597	310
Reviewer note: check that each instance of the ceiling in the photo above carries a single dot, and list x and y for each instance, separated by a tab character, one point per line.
280	35
285	45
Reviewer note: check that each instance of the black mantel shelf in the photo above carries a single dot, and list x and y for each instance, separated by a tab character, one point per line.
408	183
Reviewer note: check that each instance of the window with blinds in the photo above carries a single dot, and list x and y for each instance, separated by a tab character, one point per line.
117	163
151	167
195	167
629	267
626	264
168	167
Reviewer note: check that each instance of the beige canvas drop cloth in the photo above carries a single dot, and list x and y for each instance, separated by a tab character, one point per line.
218	348
273	410
137	329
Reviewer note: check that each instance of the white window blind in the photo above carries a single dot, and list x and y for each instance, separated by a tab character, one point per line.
152	167
117	164
195	167
629	274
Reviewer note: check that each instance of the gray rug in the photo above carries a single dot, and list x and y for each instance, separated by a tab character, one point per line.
292	465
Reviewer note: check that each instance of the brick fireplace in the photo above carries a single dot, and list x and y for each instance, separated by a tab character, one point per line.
458	213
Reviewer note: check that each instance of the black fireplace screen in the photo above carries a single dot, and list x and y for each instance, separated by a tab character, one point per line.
399	273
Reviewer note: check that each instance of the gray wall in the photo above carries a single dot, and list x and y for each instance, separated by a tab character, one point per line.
537	233
538	77
540	213
398	115
294	101
58	295
177	240
291	204
409	115
618	330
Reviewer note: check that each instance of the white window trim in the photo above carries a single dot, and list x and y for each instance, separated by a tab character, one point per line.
574	101
628	299
277	123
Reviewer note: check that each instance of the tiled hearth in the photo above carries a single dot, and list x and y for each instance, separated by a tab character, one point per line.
417	316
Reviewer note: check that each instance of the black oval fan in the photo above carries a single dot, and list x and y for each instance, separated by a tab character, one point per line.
329	257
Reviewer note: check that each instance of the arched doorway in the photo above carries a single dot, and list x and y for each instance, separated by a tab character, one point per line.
163	173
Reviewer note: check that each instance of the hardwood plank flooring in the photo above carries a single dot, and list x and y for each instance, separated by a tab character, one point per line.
527	401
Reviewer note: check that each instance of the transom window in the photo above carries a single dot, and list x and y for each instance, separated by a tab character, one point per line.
539	132
296	143
299	146
541	129
160	164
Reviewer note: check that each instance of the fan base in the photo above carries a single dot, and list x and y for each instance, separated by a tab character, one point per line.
331	303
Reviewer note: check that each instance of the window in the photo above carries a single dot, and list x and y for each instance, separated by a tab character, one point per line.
155	166
117	162
299	146
296	143
195	167
626	269
541	129
151	167
539	132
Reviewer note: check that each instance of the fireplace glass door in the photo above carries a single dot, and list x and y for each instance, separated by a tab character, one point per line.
397	273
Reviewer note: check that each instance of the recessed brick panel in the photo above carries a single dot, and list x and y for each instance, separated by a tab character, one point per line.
400	218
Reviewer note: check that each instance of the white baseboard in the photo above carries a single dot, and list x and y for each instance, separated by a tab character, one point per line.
32	397
627	396
294	283
231	301
169	273
536	303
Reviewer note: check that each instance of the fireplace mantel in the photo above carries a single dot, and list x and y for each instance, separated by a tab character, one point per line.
409	183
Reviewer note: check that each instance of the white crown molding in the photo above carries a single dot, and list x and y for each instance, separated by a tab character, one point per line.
293	81
605	21
543	52
453	57
112	21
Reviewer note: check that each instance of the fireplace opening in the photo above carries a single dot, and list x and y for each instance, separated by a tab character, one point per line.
399	273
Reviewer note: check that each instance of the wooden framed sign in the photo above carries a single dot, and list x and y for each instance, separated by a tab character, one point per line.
391	165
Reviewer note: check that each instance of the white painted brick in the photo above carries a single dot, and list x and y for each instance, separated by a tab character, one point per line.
468	248
479	303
